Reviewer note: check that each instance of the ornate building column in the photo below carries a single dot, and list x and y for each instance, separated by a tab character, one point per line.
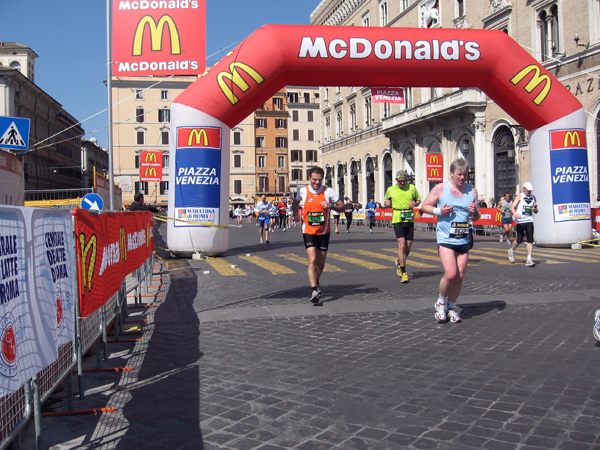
484	161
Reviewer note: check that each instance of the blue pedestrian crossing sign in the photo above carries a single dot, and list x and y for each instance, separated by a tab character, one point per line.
14	133
92	201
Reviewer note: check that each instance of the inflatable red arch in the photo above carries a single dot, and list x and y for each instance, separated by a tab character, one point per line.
278	55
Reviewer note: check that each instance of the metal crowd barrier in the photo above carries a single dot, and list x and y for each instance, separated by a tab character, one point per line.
17	409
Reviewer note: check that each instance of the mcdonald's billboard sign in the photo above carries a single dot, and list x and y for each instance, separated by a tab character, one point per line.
151	166
158	38
561	139
435	166
199	137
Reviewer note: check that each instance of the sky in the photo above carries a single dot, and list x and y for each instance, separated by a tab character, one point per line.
69	37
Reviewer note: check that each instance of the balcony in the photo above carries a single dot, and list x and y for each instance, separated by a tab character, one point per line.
466	100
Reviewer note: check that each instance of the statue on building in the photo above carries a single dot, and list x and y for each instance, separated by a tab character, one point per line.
430	15
496	5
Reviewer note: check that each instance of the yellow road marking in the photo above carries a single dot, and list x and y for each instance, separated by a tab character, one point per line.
302	260
360	262
416	254
391	258
273	267
224	268
477	256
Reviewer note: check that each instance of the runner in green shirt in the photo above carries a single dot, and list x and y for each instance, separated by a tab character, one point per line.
403	197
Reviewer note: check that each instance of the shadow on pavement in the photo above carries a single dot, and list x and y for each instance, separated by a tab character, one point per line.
470	310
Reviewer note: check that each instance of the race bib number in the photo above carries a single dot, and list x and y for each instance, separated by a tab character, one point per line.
527	210
316	218
459	230
407	215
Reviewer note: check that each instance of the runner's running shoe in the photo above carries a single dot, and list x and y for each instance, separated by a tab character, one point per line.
440	312
319	291
398	269
511	255
453	316
404	277
315	297
597	326
529	263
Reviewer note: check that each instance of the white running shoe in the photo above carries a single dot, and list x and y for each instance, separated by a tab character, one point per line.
529	263
453	316
315	297
501	239
597	325
440	312
511	255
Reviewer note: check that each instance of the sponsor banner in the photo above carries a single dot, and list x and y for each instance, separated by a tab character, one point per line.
156	37
36	291
109	247
197	176
569	175
434	163
151	166
387	95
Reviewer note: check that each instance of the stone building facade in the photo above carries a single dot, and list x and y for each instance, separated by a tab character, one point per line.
363	143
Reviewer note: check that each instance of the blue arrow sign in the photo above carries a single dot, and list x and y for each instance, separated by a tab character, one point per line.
14	133
93	202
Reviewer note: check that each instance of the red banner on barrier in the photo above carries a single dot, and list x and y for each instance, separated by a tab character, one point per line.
109	247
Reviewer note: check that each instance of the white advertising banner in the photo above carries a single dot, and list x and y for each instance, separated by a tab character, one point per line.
37	264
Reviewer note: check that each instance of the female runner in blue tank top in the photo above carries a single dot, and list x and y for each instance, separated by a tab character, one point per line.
455	204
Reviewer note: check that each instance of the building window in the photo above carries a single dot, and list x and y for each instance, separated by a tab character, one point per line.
261	123
295	135
281	184
141	186
408	97
404	4
260	142
137	161
139	94
339	123
294	116
139	114
281	142
281	162
296	174
140	136
387	110
164	137
237	137
262	162
310	116
277	103
237	186
368	112
292	97
549	36
307	97
383	13
311	156
237	160
327	128
353	117
460	8
164	115
280	123
164	187
296	155
165	161
366	20
311	135
164	95
263	184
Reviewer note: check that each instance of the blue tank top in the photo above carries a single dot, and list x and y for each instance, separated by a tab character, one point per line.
454	229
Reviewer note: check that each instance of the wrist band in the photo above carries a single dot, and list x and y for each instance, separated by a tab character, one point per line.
437	211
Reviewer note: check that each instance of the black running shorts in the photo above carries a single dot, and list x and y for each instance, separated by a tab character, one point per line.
404	230
320	241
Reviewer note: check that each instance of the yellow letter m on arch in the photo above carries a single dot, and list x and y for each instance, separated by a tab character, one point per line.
236	79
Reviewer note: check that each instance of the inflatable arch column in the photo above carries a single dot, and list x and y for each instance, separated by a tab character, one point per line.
278	55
